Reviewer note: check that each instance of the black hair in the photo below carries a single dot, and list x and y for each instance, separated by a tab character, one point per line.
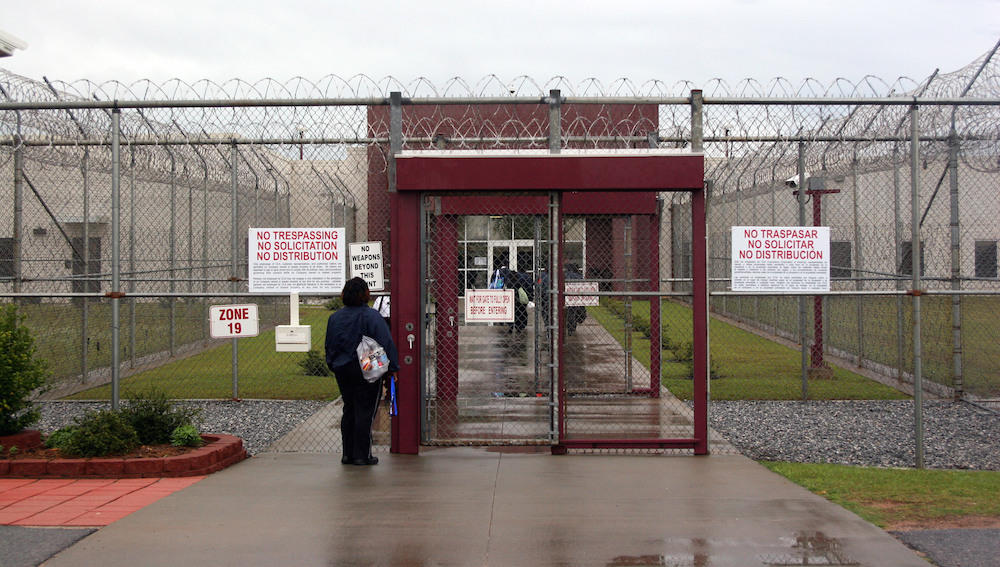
355	292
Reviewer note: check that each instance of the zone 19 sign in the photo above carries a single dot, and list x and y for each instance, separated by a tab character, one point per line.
230	321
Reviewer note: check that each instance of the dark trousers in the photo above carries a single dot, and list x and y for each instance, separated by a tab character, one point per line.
360	404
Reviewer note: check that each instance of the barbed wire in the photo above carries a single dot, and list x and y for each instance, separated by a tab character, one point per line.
740	138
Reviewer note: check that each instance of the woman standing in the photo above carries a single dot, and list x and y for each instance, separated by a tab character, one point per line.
343	333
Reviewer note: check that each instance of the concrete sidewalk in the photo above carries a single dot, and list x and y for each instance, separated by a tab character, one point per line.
473	506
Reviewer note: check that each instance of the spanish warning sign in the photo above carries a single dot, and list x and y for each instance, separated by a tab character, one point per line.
304	260
781	258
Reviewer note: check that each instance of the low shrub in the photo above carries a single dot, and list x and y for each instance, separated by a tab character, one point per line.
685	354
154	417
186	436
314	364
21	373
99	434
334	303
59	438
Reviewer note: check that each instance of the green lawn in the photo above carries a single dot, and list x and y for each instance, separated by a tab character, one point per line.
901	498
56	328
879	316
263	373
746	366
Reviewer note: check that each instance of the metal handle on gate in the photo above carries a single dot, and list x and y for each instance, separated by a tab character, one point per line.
451	320
410	338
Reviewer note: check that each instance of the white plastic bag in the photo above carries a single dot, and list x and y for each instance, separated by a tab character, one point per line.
372	358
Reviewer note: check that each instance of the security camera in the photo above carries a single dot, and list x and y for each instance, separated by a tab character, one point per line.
794	181
10	42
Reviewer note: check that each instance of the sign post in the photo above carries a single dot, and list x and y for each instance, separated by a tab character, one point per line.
293	261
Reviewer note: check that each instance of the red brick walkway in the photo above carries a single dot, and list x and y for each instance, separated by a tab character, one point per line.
90	502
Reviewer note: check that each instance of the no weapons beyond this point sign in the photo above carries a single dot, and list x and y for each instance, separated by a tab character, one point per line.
366	263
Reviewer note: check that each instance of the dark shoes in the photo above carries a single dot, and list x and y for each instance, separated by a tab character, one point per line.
360	462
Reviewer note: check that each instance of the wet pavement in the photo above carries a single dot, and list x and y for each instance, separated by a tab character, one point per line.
474	506
503	395
511	503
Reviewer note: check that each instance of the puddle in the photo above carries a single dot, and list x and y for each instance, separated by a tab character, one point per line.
802	548
810	548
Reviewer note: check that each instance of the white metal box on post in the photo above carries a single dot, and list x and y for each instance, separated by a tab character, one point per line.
293	337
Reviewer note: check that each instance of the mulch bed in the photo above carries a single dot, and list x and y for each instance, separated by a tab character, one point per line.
35	461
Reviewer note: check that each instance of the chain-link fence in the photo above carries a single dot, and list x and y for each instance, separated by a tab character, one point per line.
119	239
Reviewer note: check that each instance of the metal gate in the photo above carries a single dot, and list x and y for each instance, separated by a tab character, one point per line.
487	383
580	364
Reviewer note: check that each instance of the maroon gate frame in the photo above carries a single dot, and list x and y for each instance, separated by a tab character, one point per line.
595	171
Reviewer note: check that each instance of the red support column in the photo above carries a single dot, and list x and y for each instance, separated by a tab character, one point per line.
816	350
406	319
699	272
816	354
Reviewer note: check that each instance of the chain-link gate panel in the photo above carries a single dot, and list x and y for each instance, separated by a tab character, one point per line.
619	346
488	372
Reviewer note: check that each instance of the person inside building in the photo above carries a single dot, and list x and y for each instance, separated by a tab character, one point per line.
381	305
344	330
505	278
524	291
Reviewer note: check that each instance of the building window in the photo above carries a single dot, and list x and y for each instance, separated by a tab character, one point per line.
89	269
684	267
7	257
840	259
906	263
986	258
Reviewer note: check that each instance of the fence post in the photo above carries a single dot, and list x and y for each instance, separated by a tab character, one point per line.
85	276
190	234
701	295
555	121
803	331
204	238
131	255
395	134
958	381
915	253
172	244
115	254
18	206
898	236
234	250
859	265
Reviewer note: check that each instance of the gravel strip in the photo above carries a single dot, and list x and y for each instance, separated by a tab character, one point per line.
257	422
864	433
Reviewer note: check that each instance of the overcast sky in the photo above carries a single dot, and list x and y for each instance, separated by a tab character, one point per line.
667	40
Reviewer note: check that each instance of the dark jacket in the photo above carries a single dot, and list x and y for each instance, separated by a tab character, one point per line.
514	280
344	330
